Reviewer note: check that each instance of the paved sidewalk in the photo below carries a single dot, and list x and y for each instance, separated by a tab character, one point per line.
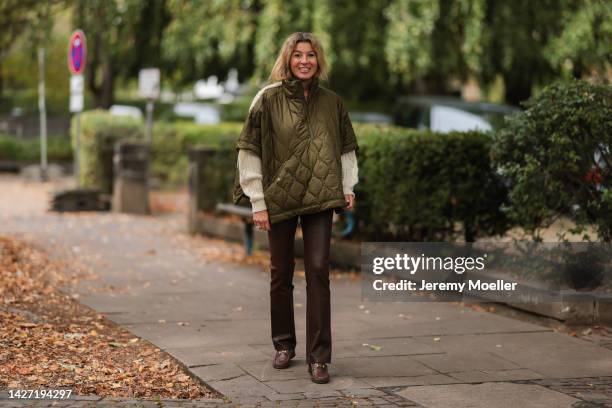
159	283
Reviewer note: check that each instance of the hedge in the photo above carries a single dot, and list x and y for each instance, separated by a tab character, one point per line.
28	150
171	142
99	132
424	186
414	185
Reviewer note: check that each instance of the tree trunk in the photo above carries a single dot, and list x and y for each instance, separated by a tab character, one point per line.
92	67
108	86
1	81
104	91
518	84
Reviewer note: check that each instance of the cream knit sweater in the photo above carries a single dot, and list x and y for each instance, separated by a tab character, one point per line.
249	167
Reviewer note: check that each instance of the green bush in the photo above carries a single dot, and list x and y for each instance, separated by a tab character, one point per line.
237	110
423	186
28	150
99	132
171	142
556	157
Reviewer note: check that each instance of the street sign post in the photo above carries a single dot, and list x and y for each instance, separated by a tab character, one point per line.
77	53
42	108
148	87
77	59
77	91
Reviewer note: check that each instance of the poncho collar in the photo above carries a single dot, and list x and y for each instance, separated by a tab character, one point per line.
294	88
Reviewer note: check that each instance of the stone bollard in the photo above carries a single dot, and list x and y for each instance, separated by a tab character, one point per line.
198	199
131	171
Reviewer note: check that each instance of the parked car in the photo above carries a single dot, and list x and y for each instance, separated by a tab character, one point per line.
202	113
446	114
126	110
371	117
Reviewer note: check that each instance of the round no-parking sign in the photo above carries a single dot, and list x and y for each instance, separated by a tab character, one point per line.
77	52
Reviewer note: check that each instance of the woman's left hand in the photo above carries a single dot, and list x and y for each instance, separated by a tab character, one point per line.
350	199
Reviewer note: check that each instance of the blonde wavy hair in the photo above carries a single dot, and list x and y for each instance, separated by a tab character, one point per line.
282	66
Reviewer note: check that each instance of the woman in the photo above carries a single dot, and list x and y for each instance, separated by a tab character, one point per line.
297	159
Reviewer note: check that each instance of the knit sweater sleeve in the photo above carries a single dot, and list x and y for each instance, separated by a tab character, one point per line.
249	167
350	172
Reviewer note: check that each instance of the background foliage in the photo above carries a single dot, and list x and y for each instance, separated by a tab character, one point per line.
400	46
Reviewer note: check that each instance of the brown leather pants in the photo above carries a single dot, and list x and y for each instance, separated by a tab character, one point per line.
316	232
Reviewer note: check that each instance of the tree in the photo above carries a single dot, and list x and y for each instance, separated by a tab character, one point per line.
583	46
206	38
122	37
356	33
16	16
526	43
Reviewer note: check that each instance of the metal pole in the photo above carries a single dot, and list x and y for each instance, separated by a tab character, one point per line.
77	154
149	128
43	113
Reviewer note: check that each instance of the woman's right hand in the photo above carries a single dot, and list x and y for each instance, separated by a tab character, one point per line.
261	220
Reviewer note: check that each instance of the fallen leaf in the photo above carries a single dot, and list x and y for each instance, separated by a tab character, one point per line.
373	346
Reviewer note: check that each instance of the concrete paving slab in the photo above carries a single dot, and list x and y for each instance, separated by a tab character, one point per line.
217	372
363	392
381	327
455	361
203	355
498	395
305	385
477	376
551	354
429	379
379	366
285	397
322	394
243	386
209	333
382	347
263	370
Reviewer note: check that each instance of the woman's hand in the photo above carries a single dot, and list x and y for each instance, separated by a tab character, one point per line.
261	220
350	199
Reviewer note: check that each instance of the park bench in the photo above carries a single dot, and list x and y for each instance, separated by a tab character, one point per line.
247	217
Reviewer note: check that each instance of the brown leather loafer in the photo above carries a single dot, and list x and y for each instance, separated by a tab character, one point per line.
282	358
318	373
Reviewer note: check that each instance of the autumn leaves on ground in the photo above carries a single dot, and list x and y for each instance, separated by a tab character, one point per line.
48	340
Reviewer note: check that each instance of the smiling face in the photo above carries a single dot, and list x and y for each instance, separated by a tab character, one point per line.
304	63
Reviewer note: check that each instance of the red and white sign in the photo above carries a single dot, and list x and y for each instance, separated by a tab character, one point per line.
77	53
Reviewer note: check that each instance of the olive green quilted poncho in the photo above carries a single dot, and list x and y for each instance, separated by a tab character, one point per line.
300	143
